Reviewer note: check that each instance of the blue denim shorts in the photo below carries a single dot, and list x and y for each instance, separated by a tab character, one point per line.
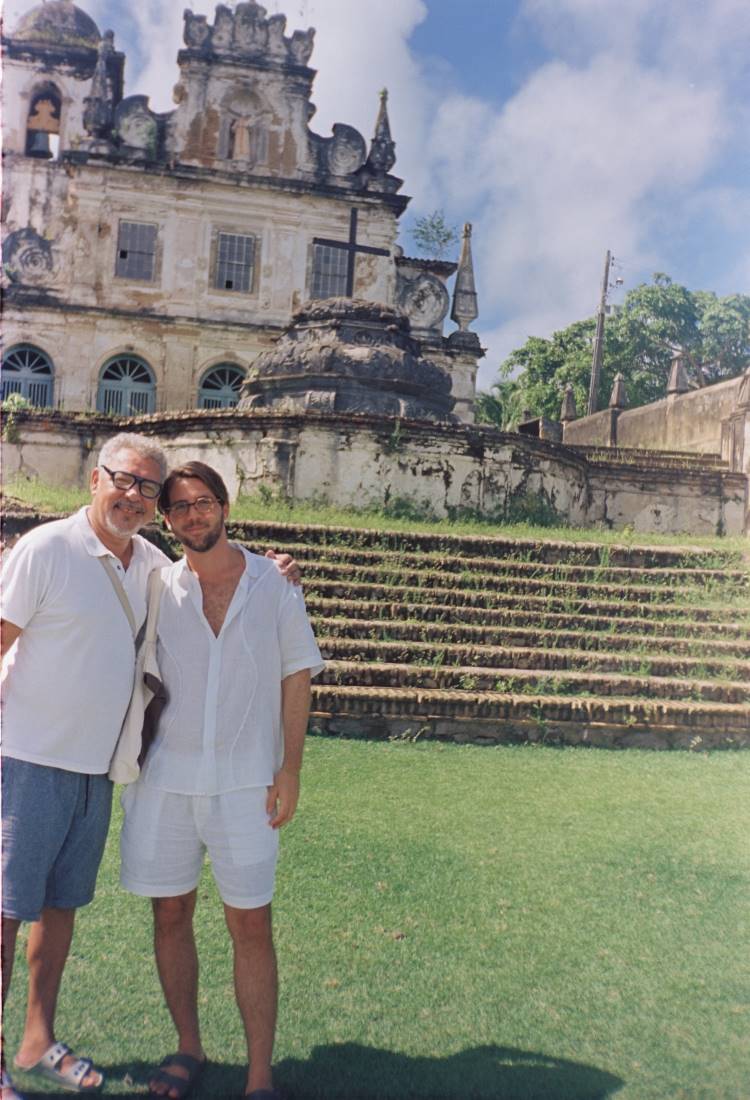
55	825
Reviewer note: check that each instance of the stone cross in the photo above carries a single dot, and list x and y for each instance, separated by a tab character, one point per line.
352	248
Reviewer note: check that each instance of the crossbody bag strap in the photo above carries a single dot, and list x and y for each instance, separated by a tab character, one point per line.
120	592
155	587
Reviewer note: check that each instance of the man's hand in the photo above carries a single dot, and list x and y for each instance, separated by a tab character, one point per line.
287	566
283	795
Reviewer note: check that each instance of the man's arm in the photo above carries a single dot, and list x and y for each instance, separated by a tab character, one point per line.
283	794
8	634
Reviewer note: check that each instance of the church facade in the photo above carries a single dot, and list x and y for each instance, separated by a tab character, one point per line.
150	258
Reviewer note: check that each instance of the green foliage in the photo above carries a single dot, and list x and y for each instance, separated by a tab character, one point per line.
639	342
10	407
433	236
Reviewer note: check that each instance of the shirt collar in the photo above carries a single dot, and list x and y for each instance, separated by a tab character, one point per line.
253	568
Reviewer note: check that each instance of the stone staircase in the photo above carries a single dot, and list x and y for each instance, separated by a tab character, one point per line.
493	639
484	639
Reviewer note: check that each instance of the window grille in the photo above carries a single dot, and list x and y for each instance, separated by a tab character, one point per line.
329	275
235	256
220	388
126	387
136	251
27	371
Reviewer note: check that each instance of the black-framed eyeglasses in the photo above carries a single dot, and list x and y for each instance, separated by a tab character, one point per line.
203	505
121	479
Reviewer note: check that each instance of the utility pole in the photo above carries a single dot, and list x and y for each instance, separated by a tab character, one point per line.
596	361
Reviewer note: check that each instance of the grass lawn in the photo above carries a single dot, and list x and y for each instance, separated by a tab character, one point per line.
516	922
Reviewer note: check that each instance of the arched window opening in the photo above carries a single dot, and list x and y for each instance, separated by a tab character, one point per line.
220	387
27	371
43	124
126	387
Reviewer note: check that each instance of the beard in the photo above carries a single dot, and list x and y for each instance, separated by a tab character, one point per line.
202	541
122	520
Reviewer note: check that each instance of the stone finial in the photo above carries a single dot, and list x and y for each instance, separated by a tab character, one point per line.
568	409
98	110
465	309
678	380
618	399
382	148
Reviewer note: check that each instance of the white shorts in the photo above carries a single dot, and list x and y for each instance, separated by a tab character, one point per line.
165	837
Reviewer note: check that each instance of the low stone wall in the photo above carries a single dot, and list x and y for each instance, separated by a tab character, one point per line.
362	460
694	422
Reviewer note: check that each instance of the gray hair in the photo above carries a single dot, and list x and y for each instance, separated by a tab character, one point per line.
131	441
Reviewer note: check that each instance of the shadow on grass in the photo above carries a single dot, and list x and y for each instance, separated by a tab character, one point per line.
349	1071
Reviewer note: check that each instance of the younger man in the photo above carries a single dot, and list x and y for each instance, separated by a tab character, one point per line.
236	653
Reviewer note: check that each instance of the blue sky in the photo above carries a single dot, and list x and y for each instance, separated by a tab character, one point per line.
559	128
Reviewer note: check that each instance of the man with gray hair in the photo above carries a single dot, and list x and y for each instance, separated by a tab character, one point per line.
67	684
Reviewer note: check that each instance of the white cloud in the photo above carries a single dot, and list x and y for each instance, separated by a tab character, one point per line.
612	143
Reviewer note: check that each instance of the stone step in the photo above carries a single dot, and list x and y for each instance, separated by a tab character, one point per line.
637	456
514	658
255	532
510	681
386	612
472	604
493	717
394	561
378	629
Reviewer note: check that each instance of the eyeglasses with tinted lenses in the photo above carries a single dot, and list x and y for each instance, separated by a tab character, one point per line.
121	479
203	505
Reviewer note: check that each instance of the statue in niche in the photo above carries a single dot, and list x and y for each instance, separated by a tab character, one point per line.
248	141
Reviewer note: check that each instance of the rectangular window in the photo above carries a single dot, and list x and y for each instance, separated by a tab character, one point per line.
235	256
136	251
329	274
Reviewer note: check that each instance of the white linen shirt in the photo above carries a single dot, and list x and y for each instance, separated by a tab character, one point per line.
68	678
221	729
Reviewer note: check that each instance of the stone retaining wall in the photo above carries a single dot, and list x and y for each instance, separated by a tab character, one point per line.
366	460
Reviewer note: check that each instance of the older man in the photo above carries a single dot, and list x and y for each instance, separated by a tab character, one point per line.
67	684
236	653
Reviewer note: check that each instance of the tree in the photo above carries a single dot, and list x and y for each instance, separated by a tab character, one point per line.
433	236
640	340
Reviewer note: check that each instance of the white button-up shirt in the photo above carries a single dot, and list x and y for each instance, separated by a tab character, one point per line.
69	676
221	729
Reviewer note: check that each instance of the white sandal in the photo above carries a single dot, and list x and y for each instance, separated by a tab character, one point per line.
71	1078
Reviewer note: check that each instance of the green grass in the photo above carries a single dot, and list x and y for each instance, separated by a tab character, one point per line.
281	510
463	922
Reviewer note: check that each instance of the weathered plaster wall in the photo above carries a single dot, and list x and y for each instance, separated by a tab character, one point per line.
681	422
366	460
684	422
597	430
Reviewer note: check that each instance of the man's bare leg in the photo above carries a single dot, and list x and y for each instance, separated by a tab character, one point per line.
47	952
10	931
177	963
256	987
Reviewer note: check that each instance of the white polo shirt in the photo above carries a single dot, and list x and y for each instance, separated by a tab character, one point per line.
68	678
221	729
